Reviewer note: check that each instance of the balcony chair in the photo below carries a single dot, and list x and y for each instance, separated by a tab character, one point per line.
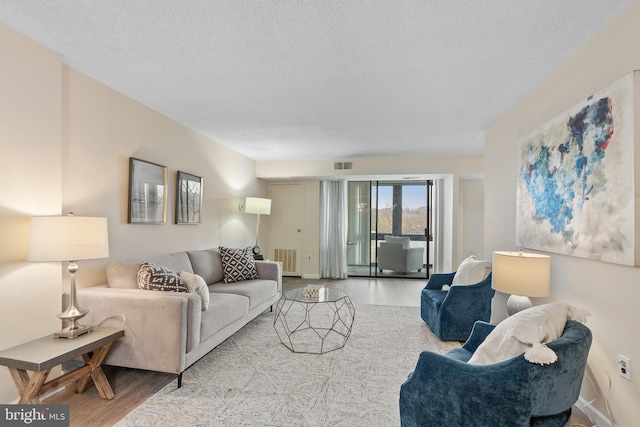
396	254
447	390
451	303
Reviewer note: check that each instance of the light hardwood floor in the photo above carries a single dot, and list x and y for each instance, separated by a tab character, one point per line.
369	291
132	387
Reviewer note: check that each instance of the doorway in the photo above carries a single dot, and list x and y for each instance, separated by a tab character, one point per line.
285	227
383	212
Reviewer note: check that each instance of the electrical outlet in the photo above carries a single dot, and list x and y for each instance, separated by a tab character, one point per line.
624	367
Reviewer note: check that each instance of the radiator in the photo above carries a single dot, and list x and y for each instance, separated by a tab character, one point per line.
288	258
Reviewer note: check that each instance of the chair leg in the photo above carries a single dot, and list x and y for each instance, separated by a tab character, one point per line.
180	380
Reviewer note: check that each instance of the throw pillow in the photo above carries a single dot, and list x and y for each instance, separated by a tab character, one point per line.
158	278
197	284
238	264
527	332
471	271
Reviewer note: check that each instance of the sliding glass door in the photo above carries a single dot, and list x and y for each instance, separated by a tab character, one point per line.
390	228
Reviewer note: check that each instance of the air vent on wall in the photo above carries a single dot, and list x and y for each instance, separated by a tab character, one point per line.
288	259
342	165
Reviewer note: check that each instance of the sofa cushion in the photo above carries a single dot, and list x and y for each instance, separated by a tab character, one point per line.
208	264
258	291
196	284
224	309
123	275
471	271
527	332
177	261
238	264
405	241
159	278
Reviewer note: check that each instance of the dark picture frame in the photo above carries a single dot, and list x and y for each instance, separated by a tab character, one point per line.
147	192
188	198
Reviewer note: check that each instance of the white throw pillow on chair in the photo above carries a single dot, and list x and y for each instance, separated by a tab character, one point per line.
471	271
527	332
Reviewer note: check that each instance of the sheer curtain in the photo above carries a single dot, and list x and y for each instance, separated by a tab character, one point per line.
333	230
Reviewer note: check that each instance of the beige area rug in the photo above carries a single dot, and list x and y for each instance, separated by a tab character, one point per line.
253	380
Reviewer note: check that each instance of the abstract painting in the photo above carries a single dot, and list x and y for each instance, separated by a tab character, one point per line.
576	181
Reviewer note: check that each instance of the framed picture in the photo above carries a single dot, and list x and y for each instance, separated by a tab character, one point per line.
147	192
577	182
188	199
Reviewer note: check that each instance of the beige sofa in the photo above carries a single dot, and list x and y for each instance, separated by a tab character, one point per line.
168	331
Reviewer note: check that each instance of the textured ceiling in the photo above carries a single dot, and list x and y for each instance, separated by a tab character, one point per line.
319	79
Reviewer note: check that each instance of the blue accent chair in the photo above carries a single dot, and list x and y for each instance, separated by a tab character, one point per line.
451	314
444	390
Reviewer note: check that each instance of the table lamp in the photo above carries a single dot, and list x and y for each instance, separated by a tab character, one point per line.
258	206
69	238
522	275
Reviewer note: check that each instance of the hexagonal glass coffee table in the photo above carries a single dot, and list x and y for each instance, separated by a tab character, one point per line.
314	319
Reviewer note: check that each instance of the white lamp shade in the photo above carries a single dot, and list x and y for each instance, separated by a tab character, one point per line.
257	205
520	273
68	238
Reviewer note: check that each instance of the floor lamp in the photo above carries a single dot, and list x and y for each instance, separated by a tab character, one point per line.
522	275
258	206
69	238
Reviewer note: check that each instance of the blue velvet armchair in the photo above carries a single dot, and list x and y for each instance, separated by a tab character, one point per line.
445	390
451	314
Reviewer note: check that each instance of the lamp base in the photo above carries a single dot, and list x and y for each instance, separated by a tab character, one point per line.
70	333
517	303
73	313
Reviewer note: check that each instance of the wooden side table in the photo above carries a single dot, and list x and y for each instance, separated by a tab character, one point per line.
42	354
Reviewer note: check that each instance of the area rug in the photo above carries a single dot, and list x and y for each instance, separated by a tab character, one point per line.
253	380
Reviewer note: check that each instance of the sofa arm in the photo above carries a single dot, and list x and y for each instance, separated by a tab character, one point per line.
159	326
270	270
447	392
438	280
415	256
471	299
478	334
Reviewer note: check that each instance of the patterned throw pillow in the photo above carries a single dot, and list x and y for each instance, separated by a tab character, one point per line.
238	264
158	278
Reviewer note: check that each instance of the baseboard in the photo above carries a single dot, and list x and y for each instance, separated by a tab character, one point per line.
310	276
596	417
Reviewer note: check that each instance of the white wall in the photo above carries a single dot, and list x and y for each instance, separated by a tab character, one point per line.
311	230
66	140
380	167
610	292
102	129
472	192
30	170
448	237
